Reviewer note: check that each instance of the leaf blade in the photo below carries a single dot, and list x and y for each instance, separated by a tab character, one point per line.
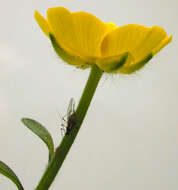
8	172
41	132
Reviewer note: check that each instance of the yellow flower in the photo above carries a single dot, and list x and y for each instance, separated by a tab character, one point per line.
82	40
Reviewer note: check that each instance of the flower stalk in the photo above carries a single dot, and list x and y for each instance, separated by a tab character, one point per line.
64	147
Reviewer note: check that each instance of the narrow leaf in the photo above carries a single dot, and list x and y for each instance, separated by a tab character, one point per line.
41	132
6	171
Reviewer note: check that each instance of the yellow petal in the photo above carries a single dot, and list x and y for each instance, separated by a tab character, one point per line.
152	40
78	33
123	39
111	25
70	59
42	22
139	40
162	44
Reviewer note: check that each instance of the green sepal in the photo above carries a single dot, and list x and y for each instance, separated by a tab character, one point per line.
136	66
114	63
8	172
42	133
70	59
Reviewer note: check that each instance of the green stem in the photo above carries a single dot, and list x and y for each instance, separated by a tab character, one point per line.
64	147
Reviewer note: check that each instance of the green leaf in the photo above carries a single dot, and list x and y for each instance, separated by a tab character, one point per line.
41	132
6	171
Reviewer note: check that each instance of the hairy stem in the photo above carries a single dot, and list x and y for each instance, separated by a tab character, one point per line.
64	147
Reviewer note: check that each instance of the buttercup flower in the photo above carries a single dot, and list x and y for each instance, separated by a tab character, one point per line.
82	40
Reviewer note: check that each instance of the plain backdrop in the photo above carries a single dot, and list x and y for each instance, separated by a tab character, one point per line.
129	138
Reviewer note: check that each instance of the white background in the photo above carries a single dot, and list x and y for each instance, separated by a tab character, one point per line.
129	139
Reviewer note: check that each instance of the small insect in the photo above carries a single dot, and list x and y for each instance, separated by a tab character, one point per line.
70	121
